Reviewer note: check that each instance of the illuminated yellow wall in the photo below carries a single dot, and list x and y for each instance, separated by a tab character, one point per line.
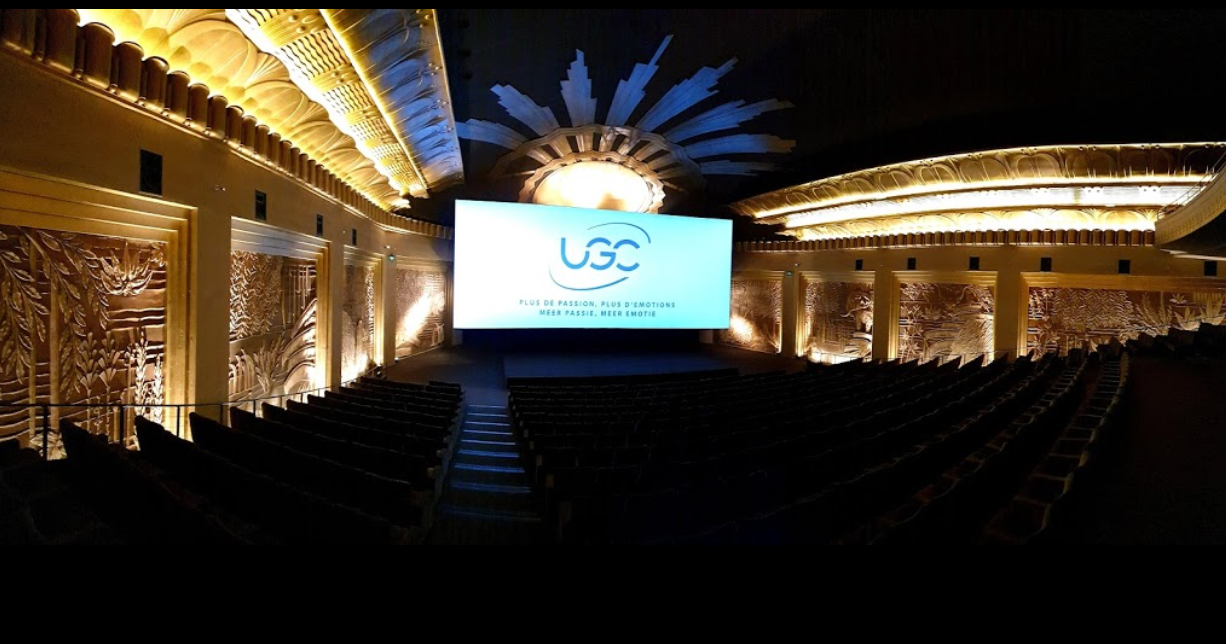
56	126
1009	271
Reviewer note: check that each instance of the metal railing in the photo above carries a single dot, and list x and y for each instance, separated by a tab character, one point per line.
114	418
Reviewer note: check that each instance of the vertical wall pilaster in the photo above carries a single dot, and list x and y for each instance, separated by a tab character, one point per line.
208	336
387	339
885	315
791	313
1011	305
330	284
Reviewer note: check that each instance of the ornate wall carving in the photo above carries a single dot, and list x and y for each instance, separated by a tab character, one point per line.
838	321
83	321
945	321
357	321
757	316
272	325
1061	319
421	310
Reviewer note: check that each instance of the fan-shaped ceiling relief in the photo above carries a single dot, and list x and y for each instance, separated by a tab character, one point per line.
622	163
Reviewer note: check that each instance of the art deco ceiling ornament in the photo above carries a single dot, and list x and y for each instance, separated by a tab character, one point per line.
616	165
378	73
401	143
1107	187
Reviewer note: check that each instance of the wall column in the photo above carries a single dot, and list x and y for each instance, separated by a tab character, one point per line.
330	284
387	341
1011	304
209	311
885	315
790	314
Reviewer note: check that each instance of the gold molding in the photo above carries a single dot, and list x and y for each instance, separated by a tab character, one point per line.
1112	238
758	275
258	237
857	277
1130	282
360	257
411	263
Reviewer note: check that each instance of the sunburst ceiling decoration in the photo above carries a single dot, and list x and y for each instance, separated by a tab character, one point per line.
616	165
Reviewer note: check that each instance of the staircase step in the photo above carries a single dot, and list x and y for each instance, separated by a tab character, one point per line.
492	488
485	453
490	515
484	473
487	432
487	443
497	459
485	423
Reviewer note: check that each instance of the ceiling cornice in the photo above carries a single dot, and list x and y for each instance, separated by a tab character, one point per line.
992	170
1115	187
398	53
214	52
365	84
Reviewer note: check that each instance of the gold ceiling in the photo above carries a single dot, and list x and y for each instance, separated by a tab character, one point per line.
214	51
1110	187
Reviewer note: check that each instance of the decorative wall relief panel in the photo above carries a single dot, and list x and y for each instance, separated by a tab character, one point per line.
82	322
838	321
358	322
1061	319
945	321
757	315
421	310
272	325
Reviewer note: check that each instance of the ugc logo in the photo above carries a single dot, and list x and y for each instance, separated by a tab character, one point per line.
587	268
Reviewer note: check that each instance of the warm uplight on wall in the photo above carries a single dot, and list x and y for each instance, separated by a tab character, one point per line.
741	329
596	184
822	357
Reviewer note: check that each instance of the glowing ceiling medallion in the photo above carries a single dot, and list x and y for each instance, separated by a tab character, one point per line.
618	166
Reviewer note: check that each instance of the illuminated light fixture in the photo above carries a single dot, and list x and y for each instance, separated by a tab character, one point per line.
665	147
1001	199
596	184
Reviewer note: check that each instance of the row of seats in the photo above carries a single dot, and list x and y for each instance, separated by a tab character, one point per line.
954	506
357	465
1207	341
1038	511
318	472
861	483
175	492
862	436
397	431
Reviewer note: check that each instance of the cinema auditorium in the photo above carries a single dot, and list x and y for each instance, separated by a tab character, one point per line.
612	277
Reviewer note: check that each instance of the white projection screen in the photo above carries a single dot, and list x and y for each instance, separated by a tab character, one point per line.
525	266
